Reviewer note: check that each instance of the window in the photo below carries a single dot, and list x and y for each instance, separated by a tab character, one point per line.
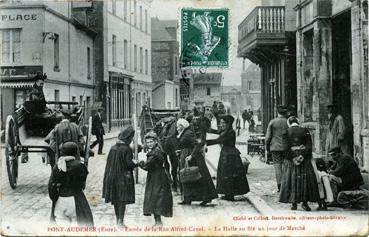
135	12
81	100
56	95
10	45
175	65
88	63
176	99
135	58
146	21
249	83
125	48
141	59
146	62
208	91
125	10
114	50
141	18
56	52
114	7
88	101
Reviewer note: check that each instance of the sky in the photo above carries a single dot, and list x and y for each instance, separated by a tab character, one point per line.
238	10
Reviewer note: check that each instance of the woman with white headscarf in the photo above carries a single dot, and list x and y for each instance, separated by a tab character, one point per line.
202	190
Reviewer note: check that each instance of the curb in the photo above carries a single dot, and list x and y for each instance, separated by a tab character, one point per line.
259	204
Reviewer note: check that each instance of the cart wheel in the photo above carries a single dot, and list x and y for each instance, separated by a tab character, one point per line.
88	140
11	153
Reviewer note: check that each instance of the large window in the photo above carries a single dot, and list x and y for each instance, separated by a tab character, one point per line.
135	12
208	91
10	46
56	52
141	20
141	59
135	58
176	99
114	50
125	48
88	63
146	62
146	21
114	7
125	10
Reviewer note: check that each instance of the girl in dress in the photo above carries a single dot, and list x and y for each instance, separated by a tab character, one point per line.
158	199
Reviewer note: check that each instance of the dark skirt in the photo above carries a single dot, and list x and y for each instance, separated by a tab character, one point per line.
231	175
202	190
83	211
299	183
158	195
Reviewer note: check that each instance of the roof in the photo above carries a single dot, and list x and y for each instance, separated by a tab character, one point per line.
170	23
158	31
207	78
231	89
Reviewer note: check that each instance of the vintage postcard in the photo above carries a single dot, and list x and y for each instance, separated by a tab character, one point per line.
184	117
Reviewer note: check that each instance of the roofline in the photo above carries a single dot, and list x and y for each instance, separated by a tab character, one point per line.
72	20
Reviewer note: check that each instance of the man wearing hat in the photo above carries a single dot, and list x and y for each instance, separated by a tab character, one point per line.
98	131
37	94
276	141
337	130
345	173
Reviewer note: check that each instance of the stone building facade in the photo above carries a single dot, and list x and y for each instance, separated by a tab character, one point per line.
251	87
165	64
207	87
45	37
332	67
123	72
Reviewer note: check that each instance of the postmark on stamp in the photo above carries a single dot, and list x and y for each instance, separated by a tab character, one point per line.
204	37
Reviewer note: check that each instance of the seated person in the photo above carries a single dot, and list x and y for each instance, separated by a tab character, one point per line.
37	94
344	174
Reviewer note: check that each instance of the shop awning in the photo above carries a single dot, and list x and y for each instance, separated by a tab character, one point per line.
16	84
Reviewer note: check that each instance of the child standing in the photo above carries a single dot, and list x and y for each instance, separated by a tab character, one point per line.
158	196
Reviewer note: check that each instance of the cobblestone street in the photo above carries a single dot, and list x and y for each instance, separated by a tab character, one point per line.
29	202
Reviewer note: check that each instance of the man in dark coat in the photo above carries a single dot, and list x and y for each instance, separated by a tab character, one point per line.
98	131
344	174
276	141
37	94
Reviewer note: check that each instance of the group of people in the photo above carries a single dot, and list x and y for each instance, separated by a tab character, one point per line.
300	179
68	178
247	115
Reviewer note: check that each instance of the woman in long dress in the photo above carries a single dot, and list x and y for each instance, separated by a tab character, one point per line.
158	199
66	184
299	183
118	183
202	190
231	174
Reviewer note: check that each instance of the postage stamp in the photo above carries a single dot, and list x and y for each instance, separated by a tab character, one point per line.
204	37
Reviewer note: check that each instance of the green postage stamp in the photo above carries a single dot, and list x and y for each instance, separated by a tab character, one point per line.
204	37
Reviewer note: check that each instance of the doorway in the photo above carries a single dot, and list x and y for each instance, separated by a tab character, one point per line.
341	81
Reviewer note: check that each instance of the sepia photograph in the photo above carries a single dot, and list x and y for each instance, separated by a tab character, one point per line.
184	118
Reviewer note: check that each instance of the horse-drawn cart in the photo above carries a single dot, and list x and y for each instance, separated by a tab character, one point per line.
25	132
